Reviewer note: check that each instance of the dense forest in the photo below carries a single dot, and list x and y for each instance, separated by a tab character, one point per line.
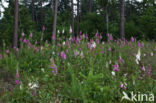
134	18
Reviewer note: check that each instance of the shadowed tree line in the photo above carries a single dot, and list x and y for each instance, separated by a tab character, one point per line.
122	18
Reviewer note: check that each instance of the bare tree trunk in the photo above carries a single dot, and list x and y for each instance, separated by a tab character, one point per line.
55	21
15	24
78	17
90	6
107	19
41	14
122	18
33	14
72	18
53	6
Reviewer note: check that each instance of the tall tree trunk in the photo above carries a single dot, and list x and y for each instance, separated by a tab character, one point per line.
53	6
33	14
41	13
78	17
122	18
90	6
107	19
15	24
73	19
55	21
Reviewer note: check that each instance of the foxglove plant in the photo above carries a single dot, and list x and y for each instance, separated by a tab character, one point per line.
53	67
22	34
17	77
151	54
43	28
142	44
123	85
70	30
30	35
63	31
138	44
120	59
63	55
7	51
143	68
149	70
116	67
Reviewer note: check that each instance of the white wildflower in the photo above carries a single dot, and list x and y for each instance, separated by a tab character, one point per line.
63	31
53	53
138	56
93	45
76	53
82	56
113	73
42	70
110	62
107	64
151	53
64	43
58	31
33	85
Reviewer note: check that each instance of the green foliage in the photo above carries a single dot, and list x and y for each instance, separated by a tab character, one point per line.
131	26
26	25
91	23
86	79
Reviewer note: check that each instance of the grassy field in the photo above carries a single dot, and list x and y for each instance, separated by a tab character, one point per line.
78	71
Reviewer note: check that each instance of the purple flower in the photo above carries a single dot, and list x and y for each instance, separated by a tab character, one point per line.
109	49
149	70
132	39
7	51
59	45
83	36
66	50
110	37
151	54
97	41
17	82
120	59
35	42
43	28
20	39
116	67
17	75
54	69
67	43
23	34
143	68
30	35
123	85
14	47
25	41
138	44
142	44
70	31
53	37
1	57
34	93
17	49
63	55
102	52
